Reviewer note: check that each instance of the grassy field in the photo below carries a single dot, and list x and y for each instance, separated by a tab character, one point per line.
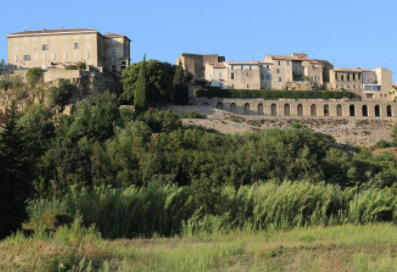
343	248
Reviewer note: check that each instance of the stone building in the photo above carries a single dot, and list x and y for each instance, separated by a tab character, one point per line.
295	72
58	48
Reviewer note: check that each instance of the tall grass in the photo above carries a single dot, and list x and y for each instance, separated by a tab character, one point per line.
169	210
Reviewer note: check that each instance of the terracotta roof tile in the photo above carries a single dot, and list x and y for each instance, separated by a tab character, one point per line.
275	57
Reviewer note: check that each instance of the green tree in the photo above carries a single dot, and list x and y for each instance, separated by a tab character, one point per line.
3	65
14	172
81	65
60	96
140	91
159	82
33	76
181	85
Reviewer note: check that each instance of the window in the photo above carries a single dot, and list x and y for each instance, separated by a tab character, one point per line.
265	85
262	77
113	51
232	67
268	77
380	95
220	75
288	71
343	86
373	88
113	41
348	86
76	55
209	75
242	67
232	86
359	86
65	56
354	86
88	45
36	57
278	71
221	84
250	67
337	86
45	47
54	56
232	76
348	77
16	58
54	47
288	62
113	59
268	66
248	86
385	95
16	49
279	79
87	55
336	76
65	46
354	76
76	46
35	48
87	37
26	48
279	62
45	57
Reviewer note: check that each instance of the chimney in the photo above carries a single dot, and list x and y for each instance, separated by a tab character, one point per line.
107	33
43	29
61	28
302	52
24	30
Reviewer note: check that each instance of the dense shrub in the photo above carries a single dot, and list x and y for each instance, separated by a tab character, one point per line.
71	67
33	76
193	115
81	65
60	95
272	94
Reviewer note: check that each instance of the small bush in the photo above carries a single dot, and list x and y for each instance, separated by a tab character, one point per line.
271	94
382	144
33	76
297	125
234	119
193	115
71	67
81	65
20	94
51	220
60	96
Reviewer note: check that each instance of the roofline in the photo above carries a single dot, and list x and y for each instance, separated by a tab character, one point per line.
123	36
51	33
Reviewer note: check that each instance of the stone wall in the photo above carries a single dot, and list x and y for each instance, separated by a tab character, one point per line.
307	107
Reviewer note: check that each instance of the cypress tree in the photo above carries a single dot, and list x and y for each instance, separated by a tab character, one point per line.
140	90
181	85
14	173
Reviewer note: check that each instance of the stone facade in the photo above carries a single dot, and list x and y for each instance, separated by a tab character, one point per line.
56	49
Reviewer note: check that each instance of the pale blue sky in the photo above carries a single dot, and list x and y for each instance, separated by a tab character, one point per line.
348	33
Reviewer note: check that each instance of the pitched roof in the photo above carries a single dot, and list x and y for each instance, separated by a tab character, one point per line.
218	65
275	57
115	35
351	70
53	31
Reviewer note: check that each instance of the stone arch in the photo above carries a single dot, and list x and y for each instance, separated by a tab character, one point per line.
326	110
339	110
287	110
352	110
247	109
219	106
274	109
300	110
260	109
313	110
389	111
233	107
377	110
365	110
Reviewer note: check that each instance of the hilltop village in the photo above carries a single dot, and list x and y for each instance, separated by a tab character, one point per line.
358	92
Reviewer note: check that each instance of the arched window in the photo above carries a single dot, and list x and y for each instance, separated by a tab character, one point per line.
352	110
326	110
365	110
233	107
339	110
389	111
274	109
377	110
247	109
313	110
260	109
219	106
300	110
287	110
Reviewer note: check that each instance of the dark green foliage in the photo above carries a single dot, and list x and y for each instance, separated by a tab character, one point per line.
274	94
382	144
193	114
159	82
71	67
51	219
15	182
81	65
296	125
60	95
181	85
33	76
3	65
140	100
